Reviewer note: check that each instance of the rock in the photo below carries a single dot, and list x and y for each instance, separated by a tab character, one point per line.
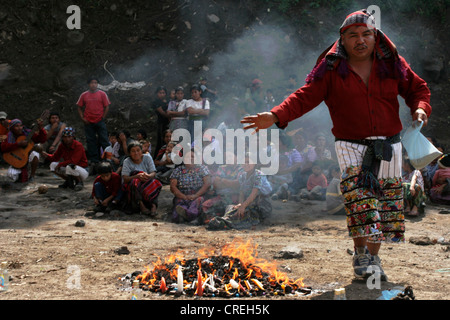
42	189
122	250
89	214
213	18
99	214
289	252
80	223
421	241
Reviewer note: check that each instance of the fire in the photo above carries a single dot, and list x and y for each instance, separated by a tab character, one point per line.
235	271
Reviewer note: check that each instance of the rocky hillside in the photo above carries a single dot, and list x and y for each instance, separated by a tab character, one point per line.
44	65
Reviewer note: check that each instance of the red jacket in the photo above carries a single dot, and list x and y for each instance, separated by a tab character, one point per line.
358	111
73	154
112	186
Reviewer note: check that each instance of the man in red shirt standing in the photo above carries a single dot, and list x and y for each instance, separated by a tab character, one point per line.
96	106
360	77
73	166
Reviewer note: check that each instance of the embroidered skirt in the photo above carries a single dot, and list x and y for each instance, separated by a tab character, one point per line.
378	217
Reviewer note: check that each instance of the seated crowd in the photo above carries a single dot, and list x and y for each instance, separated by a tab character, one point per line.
131	173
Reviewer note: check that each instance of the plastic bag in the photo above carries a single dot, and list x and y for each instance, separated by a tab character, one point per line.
420	151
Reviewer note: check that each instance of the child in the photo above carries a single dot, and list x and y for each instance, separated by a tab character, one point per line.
316	186
254	204
281	180
111	153
440	192
141	135
166	167
413	190
177	111
107	188
146	146
207	92
333	197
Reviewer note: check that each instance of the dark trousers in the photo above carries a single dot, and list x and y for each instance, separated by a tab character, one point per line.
102	194
96	137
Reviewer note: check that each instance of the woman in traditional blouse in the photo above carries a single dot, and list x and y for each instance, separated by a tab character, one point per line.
188	183
138	175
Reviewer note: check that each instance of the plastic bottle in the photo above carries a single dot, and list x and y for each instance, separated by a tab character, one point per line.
136	292
4	277
339	294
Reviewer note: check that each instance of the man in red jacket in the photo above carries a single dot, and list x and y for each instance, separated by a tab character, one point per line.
73	166
360	77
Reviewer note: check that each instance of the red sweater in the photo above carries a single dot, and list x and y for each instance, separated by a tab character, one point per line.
73	154
358	111
314	181
112	186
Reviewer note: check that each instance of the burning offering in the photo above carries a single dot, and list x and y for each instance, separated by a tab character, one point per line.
234	272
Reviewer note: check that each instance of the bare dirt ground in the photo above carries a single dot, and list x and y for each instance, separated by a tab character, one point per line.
43	247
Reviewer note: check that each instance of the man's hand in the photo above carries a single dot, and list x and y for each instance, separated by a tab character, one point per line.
260	121
420	116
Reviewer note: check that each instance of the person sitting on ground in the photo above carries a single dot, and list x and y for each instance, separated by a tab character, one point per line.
14	141
111	153
322	153
254	200
429	170
166	167
333	197
74	164
308	156
162	150
440	190
138	175
189	182
141	135
225	189
54	130
124	140
316	186
290	162
413	190
146	146
107	188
